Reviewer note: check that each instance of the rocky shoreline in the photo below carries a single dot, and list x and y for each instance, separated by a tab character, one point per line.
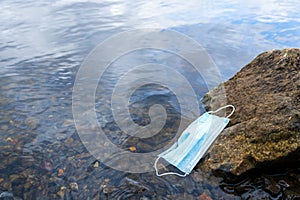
265	129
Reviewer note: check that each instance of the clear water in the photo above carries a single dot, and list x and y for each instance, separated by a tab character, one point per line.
43	43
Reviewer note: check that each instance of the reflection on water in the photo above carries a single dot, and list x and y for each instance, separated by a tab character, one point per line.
43	43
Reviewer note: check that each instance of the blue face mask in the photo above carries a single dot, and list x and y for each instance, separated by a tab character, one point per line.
194	142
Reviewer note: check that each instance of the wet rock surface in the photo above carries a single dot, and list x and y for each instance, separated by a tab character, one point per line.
265	129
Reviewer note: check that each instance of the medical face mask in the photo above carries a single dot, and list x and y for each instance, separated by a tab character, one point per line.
194	142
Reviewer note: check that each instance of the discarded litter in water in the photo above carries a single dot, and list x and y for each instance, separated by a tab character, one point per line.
194	142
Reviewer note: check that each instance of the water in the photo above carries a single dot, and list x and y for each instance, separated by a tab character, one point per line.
43	43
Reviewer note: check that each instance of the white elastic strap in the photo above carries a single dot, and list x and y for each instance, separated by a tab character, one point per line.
227	106
167	173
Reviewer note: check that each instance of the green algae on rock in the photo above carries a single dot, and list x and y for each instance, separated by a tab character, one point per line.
266	125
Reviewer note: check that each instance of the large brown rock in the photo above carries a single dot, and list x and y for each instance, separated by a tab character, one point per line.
266	125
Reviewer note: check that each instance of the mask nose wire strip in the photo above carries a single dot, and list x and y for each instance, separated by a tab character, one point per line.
167	173
227	106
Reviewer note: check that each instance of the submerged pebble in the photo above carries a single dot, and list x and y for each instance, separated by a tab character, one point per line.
6	196
32	122
73	186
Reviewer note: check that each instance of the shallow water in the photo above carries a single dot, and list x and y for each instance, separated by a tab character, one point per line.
42	45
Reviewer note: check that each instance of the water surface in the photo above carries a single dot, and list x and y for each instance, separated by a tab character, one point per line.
43	43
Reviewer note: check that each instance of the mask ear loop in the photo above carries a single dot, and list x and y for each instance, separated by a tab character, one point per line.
227	106
167	173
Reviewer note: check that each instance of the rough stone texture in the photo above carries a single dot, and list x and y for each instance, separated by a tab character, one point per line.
266	125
